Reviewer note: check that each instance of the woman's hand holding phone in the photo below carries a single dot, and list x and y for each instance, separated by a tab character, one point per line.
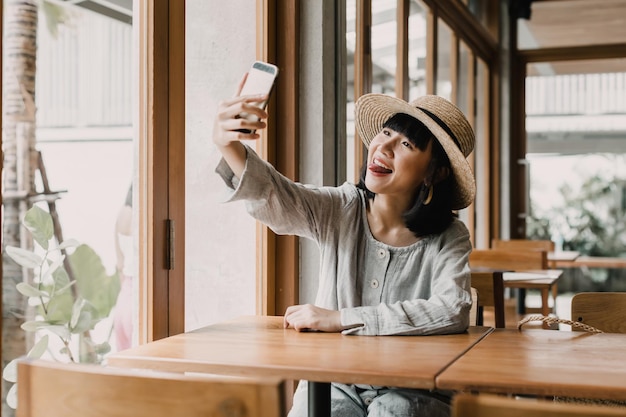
245	113
259	80
240	117
231	127
227	130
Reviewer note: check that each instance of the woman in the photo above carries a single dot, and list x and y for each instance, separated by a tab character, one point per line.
394	257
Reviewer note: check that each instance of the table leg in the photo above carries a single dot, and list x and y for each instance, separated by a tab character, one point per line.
545	305
319	399
521	301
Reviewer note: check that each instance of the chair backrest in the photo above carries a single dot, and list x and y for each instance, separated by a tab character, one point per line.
522	244
490	287
490	405
508	260
603	310
52	389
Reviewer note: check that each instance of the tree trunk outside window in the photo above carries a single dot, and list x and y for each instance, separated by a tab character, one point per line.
19	152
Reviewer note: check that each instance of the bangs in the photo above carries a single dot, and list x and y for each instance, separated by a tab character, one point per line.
413	129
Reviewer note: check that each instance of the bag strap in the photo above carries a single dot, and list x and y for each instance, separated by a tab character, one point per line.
551	320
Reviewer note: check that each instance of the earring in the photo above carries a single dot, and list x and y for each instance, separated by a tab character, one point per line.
429	197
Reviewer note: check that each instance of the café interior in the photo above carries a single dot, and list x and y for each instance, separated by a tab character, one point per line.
517	358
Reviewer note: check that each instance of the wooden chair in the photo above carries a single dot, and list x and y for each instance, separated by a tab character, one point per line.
508	259
512	260
603	310
490	287
52	389
490	405
523	244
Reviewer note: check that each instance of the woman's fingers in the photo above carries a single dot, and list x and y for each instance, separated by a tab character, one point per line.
248	100
230	126
310	317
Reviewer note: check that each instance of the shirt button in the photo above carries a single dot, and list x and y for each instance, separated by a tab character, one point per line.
368	401
381	253
374	283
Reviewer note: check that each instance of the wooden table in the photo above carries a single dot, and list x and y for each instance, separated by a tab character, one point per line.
542	363
592	262
542	280
259	346
560	257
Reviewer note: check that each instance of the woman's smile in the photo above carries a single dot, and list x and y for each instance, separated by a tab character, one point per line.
379	167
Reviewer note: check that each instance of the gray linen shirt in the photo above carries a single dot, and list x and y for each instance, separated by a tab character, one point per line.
379	289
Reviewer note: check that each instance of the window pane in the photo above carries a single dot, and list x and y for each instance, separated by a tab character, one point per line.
463	90
444	49
577	153
417	50
220	246
481	128
83	130
350	48
465	95
384	29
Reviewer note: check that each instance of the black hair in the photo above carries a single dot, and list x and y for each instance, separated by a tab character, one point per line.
436	216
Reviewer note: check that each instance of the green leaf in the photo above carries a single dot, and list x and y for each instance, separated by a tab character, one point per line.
31	326
30	291
40	348
62	290
103	348
10	371
52	267
61	280
60	308
76	310
24	257
69	243
39	223
93	283
83	323
61	331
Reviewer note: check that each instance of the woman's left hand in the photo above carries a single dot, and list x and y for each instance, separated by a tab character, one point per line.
309	317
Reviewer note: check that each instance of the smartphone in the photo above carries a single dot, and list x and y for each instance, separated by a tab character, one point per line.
260	80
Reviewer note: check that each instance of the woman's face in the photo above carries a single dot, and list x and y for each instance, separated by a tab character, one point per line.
395	165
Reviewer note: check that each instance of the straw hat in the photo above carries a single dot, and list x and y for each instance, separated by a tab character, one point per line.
445	121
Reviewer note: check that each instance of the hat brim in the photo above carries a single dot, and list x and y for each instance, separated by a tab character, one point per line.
373	110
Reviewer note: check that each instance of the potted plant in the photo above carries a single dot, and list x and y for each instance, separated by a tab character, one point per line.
67	304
